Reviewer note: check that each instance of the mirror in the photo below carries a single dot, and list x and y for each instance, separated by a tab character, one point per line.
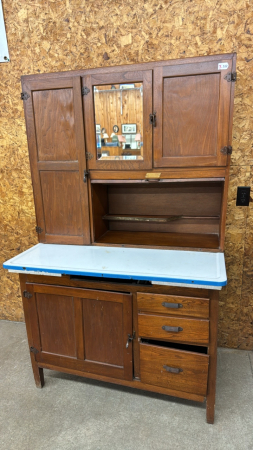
119	121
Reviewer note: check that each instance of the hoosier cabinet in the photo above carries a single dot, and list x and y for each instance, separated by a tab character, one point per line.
130	168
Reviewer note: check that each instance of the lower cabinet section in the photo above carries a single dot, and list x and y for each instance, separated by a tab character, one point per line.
165	343
174	369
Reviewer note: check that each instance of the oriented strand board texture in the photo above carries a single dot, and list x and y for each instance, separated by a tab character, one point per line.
55	35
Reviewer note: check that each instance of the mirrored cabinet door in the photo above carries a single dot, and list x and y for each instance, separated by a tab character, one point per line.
118	129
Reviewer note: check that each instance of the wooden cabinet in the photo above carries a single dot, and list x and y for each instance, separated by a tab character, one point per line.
142	124
108	331
82	329
136	155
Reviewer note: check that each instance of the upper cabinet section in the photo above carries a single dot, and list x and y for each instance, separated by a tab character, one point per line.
118	129
192	104
55	130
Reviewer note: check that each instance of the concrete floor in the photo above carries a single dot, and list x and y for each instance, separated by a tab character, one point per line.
74	413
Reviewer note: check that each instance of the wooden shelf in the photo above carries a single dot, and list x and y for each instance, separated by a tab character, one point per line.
160	239
153	219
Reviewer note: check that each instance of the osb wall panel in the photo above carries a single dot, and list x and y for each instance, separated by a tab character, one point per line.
51	35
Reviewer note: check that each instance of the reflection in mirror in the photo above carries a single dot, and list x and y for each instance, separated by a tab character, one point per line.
119	121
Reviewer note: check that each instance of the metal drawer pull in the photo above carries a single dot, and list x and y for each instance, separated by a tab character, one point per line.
173	329
172	369
172	305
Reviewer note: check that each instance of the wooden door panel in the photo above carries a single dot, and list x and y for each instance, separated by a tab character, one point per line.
61	202
56	324
89	81
192	104
190	115
55	130
55	125
103	330
82	329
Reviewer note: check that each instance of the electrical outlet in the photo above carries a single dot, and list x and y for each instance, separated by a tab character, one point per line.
243	196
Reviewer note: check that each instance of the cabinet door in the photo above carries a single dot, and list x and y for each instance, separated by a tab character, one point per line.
82	330
118	132
54	121
192	104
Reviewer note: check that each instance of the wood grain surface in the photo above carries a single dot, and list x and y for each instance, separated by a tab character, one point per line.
190	330
173	305
193	377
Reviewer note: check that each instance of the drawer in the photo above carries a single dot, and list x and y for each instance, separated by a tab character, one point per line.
174	369
173	304
180	329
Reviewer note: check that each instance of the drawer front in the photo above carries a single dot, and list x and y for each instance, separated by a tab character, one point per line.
174	369
173	329
173	304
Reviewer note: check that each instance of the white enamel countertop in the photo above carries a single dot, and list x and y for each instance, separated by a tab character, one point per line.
173	267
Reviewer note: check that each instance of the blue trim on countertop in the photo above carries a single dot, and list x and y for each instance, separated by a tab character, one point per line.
127	277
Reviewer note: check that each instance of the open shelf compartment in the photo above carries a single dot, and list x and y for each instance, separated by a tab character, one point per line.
172	214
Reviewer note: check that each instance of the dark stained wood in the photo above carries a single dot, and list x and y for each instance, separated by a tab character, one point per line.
189	207
190	115
224	210
191	306
192	103
188	199
37	371
55	131
61	203
75	292
136	344
56	324
58	165
43	282
99	197
80	326
82	329
81	151
119	77
92	370
193	330
212	351
173	173
54	123
103	337
79	332
192	379
107	370
132	67
136	384
197	241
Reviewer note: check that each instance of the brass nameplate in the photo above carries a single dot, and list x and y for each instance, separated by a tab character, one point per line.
152	175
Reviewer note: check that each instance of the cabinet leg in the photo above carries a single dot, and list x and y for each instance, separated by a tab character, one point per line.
211	386
38	375
210	408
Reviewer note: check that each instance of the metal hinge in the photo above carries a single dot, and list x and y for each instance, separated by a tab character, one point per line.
152	119
85	175
231	76
85	90
227	150
27	294
24	96
38	230
88	155
34	350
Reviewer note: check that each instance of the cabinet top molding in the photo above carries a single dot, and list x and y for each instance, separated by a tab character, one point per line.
131	67
171	266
